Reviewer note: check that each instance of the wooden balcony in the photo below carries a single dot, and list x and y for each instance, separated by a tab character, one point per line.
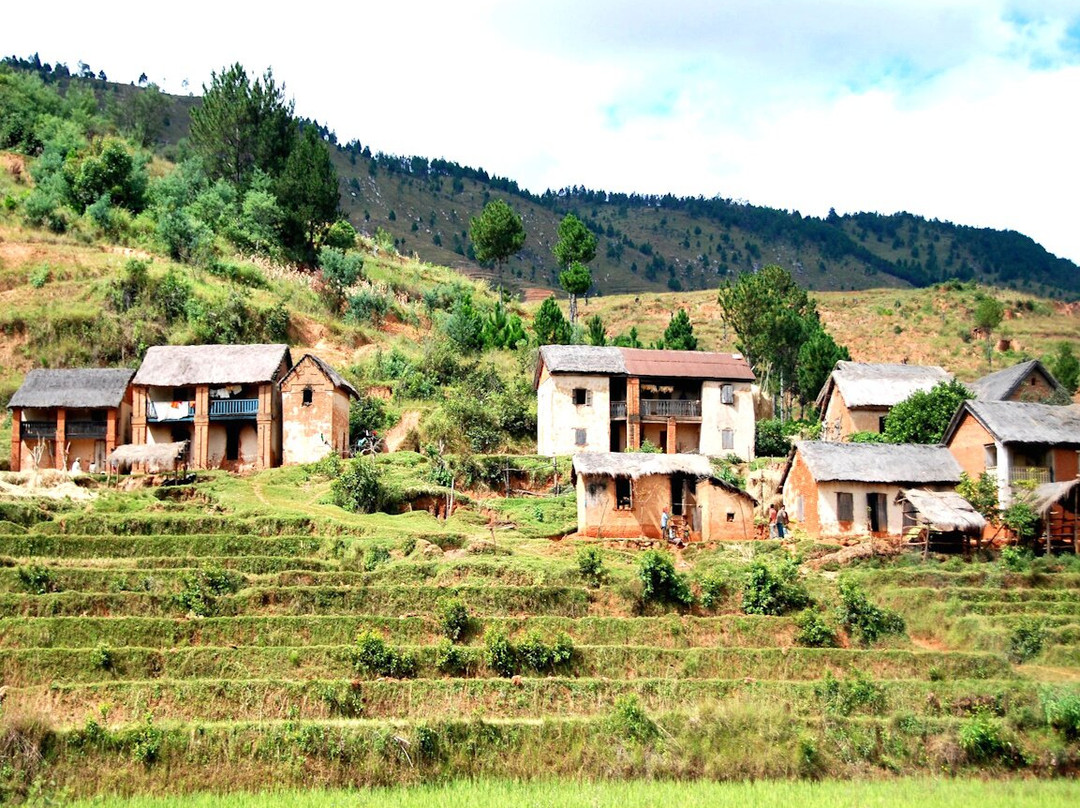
618	409
170	411
234	408
37	430
96	430
670	408
1022	474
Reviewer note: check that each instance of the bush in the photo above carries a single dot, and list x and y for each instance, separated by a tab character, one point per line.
629	720
147	743
374	557
103	657
659	580
1063	712
859	616
499	653
982	739
453	619
1016	559
590	564
449	658
857	692
369	306
359	488
374	657
1026	640
540	656
814	630
714	589
773	589
772	438
38	580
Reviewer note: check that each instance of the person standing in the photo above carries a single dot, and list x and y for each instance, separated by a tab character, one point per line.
781	522
772	521
665	519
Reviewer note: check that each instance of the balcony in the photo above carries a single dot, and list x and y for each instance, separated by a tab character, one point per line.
170	410
234	408
670	408
86	429
31	430
1037	475
618	409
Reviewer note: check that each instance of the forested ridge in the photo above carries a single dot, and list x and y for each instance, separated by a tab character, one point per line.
646	242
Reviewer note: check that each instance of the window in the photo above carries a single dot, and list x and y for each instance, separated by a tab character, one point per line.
579	437
624	494
727	439
308	397
990	455
582	397
727	394
731	516
845	507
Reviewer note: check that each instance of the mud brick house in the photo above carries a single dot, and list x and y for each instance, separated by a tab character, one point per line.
224	399
834	489
315	411
858	395
607	399
1028	381
60	415
1016	441
622	494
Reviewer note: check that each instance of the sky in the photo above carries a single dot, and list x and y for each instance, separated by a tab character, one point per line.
961	110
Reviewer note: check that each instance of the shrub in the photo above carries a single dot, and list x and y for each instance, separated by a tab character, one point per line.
1016	559
359	488
859	616
368	306
499	652
147	743
814	630
38	580
590	562
374	657
374	557
453	619
857	692
659	580
714	589
1063	712
534	652
39	276
629	720
982	739
449	658
102	657
773	588
1026	640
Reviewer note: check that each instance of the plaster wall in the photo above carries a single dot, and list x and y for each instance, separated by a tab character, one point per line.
557	417
717	416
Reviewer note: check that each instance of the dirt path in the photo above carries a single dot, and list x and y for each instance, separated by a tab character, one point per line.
395	436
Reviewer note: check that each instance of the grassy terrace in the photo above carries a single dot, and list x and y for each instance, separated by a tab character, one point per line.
139	657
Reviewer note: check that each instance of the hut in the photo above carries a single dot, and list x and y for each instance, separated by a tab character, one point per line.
1026	381
60	415
154	457
622	495
835	490
224	399
941	517
1057	505
858	396
315	411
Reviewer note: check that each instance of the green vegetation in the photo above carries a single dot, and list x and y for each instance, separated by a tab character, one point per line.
924	416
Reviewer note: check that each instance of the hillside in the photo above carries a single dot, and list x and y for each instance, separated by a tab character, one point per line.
647	243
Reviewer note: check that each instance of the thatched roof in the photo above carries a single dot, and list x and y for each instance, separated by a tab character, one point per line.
643	362
644	464
1048	495
335	378
895	463
874	384
186	365
155	456
1022	422
999	386
93	388
943	511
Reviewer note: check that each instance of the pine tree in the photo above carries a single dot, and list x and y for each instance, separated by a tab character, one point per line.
550	325
679	335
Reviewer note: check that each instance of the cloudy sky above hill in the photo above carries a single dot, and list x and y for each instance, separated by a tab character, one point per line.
966	110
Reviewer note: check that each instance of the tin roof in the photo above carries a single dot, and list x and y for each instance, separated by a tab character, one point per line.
644	362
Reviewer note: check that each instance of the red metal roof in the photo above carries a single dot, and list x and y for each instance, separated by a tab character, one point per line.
686	364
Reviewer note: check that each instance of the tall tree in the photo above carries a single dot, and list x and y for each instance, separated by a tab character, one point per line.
595	331
308	193
817	357
242	124
1066	367
771	317
497	233
988	314
679	334
575	248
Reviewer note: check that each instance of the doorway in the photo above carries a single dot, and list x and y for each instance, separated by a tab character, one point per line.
877	509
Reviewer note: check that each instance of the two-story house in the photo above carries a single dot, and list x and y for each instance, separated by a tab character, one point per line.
60	415
224	399
857	396
609	399
1016	441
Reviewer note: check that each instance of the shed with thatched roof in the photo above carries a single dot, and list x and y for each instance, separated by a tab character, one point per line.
943	518
154	457
857	396
224	399
845	489
315	411
1058	508
61	415
599	399
623	494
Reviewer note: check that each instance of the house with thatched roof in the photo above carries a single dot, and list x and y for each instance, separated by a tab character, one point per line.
1058	507
223	399
1016	442
833	489
623	494
60	415
857	396
608	399
315	411
1027	381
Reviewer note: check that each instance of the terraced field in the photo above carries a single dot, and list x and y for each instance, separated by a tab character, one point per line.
291	653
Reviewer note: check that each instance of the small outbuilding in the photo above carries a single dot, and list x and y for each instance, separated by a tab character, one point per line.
1058	506
315	411
835	490
939	518
623	494
1026	381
